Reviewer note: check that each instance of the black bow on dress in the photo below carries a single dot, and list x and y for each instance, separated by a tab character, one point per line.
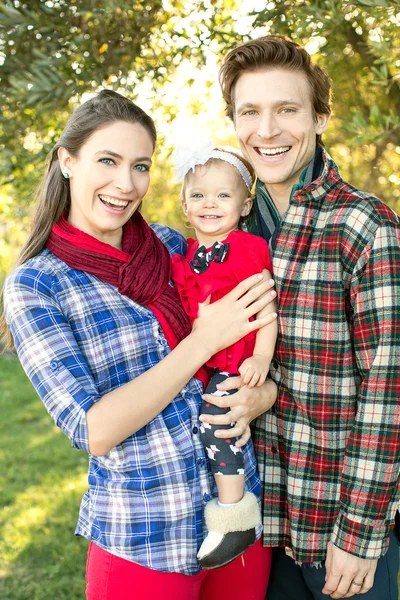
202	258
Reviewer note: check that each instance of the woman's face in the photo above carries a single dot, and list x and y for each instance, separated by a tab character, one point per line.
108	179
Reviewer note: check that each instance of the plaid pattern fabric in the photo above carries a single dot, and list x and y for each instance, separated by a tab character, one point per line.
78	339
328	453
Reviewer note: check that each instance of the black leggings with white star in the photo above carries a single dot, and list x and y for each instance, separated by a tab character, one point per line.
225	458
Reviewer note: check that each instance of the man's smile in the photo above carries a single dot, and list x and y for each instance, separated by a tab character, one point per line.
272	151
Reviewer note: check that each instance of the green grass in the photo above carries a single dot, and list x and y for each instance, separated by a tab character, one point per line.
42	480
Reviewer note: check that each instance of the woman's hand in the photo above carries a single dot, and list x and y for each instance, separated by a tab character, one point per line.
245	406
226	321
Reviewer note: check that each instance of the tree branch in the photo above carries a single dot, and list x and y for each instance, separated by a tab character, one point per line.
360	45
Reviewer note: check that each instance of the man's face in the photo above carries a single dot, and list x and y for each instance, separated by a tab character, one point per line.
275	125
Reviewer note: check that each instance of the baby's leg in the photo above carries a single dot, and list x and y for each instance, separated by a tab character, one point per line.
230	488
232	519
226	460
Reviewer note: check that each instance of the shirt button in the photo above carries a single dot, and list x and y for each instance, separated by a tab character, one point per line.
275	363
206	498
54	365
274	449
195	430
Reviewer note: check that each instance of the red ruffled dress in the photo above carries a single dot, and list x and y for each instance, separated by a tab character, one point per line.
248	254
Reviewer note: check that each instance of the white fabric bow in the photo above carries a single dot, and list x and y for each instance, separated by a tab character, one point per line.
190	154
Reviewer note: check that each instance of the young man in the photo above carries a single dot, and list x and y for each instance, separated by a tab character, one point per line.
328	452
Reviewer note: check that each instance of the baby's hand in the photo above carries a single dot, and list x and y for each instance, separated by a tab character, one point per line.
254	370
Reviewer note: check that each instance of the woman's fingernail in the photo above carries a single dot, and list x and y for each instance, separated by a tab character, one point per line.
272	282
273	293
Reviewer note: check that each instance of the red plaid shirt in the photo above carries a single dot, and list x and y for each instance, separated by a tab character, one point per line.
328	452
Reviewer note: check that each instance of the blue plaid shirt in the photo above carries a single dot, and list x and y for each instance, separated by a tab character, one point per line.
78	339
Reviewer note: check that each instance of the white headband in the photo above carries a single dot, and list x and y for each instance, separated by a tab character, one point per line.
187	158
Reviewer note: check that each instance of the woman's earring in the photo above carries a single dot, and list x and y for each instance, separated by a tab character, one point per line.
66	175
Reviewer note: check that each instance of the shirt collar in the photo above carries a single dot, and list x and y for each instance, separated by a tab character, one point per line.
312	171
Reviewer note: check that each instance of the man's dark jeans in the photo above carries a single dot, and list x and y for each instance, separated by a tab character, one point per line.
289	581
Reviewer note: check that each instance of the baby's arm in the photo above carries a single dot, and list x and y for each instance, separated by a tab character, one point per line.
254	370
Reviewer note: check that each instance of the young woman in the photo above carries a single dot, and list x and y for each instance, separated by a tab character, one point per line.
105	341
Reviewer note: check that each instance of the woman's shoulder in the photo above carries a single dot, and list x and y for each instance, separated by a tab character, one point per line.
32	284
38	271
172	239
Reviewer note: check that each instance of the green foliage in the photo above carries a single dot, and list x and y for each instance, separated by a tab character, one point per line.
42	481
378	3
54	52
358	43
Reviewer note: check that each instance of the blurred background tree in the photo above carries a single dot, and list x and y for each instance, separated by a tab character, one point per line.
358	44
165	54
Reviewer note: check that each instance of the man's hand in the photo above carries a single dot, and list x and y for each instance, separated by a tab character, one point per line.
346	574
254	370
245	406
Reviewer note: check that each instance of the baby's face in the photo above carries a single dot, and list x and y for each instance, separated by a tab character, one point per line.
215	199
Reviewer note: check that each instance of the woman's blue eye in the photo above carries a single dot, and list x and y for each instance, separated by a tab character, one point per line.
107	161
142	168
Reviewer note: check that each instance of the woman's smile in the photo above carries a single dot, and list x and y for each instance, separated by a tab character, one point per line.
114	203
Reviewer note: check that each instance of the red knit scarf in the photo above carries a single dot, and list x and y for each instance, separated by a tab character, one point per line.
141	271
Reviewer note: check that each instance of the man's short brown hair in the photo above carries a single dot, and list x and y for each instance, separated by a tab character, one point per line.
274	51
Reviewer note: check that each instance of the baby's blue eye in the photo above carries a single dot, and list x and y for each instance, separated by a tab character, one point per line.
197	196
223	195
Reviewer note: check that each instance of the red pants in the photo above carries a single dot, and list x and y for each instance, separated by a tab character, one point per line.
112	578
